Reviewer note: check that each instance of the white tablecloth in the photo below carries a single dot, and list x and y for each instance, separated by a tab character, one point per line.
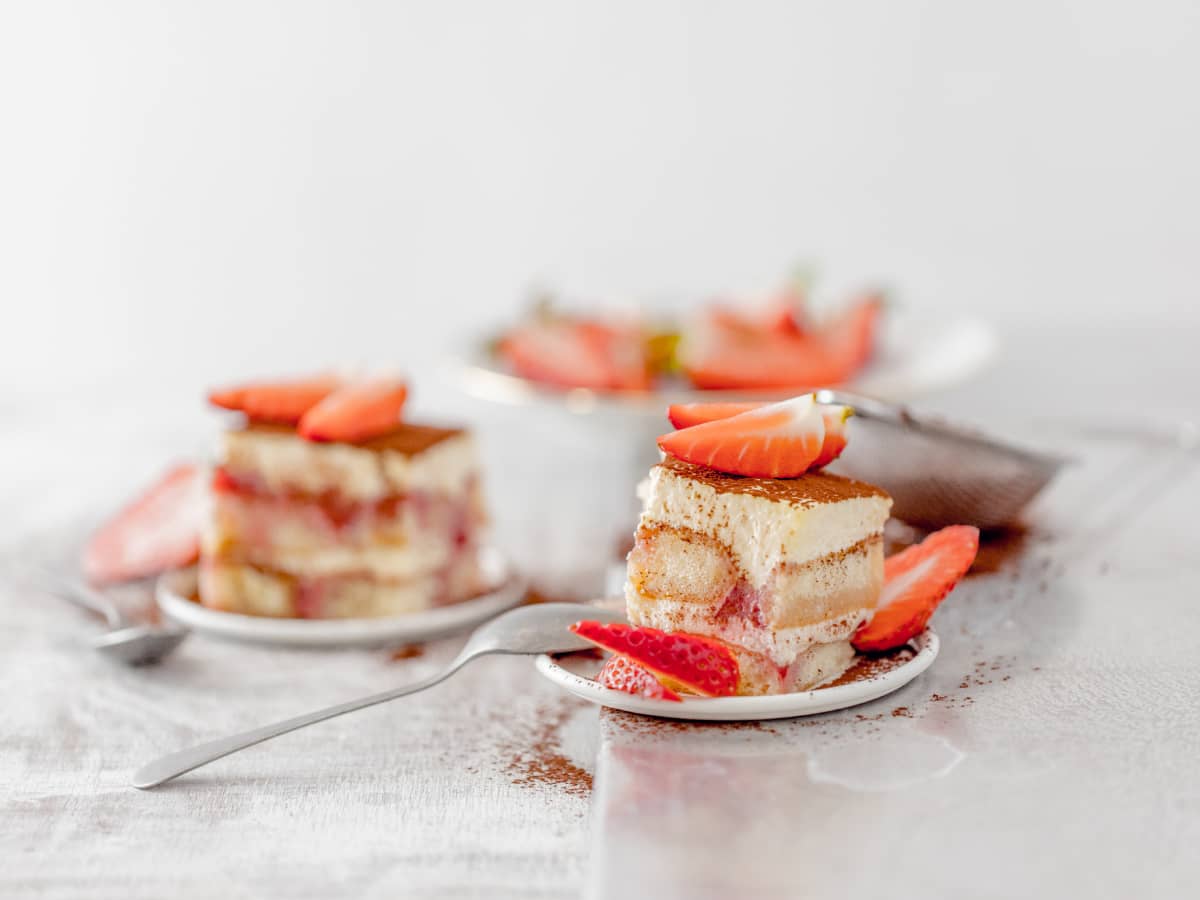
1051	750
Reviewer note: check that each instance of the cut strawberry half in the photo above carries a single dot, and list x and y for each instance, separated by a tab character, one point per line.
682	662
356	412
726	351
782	319
276	402
160	530
849	337
622	674
915	581
719	357
686	415
578	354
780	440
836	417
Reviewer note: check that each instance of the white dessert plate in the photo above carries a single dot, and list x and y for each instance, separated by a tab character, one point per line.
917	355
175	590
575	673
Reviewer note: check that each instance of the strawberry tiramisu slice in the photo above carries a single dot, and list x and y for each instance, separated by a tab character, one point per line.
753	571
743	538
333	507
783	569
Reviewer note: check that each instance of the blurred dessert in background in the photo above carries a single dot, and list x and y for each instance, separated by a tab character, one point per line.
329	506
323	503
726	346
779	347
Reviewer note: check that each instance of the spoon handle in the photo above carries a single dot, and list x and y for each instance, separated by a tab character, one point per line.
89	598
182	761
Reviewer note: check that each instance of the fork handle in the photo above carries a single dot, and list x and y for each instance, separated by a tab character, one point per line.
183	761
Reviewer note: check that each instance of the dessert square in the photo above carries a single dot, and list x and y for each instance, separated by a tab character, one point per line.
386	526
783	570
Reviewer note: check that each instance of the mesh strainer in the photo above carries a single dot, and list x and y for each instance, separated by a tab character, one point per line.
939	474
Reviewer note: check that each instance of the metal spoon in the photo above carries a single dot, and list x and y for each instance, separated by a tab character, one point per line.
134	645
525	630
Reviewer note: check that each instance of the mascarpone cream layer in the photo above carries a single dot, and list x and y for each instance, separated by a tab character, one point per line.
761	533
283	461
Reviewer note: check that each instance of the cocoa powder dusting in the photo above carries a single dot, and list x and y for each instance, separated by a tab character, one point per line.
873	665
408	651
810	489
645	725
540	761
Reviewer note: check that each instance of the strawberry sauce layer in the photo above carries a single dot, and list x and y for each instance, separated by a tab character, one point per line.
250	515
334	513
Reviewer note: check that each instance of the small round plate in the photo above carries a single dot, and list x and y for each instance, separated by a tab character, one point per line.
175	590
574	672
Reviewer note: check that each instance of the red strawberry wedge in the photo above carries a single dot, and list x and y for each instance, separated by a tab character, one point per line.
781	440
915	581
835	433
685	415
622	674
849	338
158	531
556	353
356	412
276	402
578	354
682	662
714	356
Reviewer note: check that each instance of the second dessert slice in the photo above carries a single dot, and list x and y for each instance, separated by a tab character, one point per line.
359	527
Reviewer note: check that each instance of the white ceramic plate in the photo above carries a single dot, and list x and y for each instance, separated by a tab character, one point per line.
918	355
174	590
574	673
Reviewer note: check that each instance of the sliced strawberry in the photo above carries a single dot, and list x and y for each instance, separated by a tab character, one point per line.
785	313
687	662
276	402
622	674
725	351
356	412
685	415
719	357
835	417
849	337
780	440
782	318
627	352
160	530
579	354
915	581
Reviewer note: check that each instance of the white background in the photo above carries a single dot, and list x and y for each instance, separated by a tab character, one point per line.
198	191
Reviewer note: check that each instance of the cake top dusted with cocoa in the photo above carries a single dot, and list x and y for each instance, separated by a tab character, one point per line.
812	488
406	438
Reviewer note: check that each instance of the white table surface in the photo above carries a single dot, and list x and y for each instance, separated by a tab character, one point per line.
1051	750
